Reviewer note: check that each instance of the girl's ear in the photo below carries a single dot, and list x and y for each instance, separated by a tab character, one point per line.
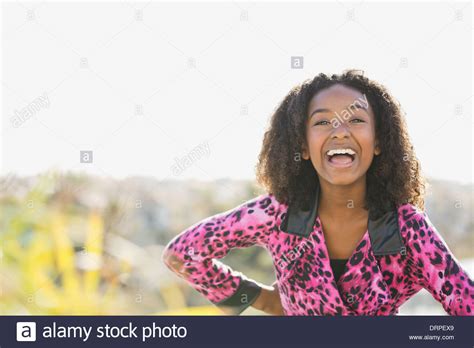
305	153
377	150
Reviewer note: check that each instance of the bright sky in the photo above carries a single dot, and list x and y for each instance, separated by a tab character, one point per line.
178	90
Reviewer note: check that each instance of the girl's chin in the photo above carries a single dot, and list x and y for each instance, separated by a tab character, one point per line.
339	181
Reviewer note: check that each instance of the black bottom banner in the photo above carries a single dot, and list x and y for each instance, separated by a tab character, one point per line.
236	331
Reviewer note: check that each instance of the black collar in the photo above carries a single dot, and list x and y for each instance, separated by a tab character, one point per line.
384	231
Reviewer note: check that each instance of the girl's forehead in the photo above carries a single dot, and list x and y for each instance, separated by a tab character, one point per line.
337	98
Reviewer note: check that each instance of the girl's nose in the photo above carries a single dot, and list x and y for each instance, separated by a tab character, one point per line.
342	130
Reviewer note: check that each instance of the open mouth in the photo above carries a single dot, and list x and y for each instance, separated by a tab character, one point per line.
341	157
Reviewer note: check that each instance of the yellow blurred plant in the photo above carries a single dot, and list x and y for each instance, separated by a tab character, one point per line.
43	271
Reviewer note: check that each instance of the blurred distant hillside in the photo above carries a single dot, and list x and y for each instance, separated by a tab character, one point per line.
141	214
450	207
148	211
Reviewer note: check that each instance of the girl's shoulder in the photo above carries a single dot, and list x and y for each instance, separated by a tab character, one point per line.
415	225
265	201
408	212
258	209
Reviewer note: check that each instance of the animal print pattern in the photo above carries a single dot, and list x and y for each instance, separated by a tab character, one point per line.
370	285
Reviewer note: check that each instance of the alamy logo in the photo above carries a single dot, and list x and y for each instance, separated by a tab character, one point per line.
26	331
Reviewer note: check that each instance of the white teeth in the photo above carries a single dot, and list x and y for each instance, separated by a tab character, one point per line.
340	152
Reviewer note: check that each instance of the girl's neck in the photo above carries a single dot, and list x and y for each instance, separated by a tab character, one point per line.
343	201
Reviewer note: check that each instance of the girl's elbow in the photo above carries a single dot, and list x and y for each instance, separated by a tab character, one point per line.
171	260
167	255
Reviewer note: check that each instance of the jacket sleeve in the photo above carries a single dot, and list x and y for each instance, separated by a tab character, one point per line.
435	268
193	254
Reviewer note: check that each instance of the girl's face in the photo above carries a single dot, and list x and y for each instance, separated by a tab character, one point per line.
340	117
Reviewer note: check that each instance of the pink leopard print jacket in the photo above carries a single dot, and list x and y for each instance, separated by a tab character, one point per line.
400	253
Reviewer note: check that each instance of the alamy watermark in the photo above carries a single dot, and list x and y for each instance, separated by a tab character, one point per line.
24	114
359	103
198	152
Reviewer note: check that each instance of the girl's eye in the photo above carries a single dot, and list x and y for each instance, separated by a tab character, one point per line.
357	119
321	123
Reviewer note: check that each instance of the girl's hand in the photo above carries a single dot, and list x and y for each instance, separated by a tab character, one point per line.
269	300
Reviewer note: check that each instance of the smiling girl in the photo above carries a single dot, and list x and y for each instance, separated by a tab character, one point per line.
343	219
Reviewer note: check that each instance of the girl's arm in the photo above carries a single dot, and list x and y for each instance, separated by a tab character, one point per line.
436	269
269	301
193	254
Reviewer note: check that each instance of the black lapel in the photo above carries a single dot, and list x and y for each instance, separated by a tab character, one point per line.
384	231
385	236
298	221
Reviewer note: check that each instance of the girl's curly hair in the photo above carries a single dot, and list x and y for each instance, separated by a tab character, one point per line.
393	178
